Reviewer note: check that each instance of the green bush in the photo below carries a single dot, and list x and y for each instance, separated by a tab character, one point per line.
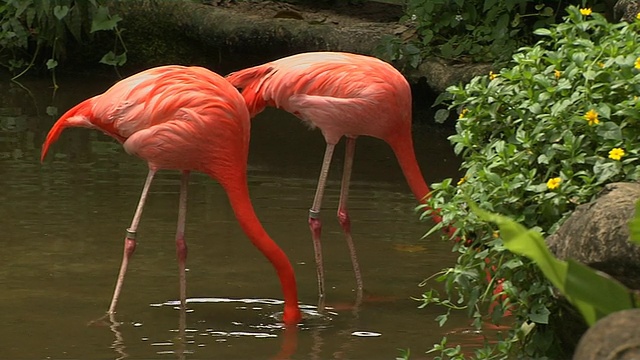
470	30
467	30
540	137
31	30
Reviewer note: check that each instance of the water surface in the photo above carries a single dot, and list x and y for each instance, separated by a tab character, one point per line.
63	224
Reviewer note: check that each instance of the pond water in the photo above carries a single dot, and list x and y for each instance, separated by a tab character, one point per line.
63	223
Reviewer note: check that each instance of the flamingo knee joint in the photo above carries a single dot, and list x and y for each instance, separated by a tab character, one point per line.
131	234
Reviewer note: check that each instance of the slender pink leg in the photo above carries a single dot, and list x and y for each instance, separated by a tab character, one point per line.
130	241
315	224
181	244
343	214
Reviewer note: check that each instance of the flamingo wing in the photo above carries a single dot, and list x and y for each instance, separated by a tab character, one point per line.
166	115
331	90
336	117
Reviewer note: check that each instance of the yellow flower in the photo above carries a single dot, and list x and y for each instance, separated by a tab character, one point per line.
463	113
585	11
462	180
637	63
554	183
616	154
557	73
638	16
496	234
592	117
492	75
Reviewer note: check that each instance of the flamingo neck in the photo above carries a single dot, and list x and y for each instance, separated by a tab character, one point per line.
403	149
409	165
405	154
238	194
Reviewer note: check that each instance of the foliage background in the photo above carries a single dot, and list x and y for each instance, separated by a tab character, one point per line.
474	30
37	34
538	138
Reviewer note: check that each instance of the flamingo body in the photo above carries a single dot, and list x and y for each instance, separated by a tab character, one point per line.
173	117
343	95
183	118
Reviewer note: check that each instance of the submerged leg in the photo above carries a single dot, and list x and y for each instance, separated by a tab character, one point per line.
130	241
181	244
315	224
343	214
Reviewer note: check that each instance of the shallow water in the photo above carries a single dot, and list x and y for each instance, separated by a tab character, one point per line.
63	224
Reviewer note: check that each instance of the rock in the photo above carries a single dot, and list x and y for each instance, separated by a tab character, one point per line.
626	10
614	337
597	234
441	74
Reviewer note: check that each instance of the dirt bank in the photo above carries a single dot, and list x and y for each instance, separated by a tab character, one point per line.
185	31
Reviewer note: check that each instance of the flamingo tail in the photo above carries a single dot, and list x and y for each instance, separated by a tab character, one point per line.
250	81
72	118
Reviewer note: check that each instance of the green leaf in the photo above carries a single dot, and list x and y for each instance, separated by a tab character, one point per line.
604	110
610	131
60	11
594	294
21	6
603	292
74	23
441	116
540	316
52	110
51	64
547	11
519	240
542	32
103	21
634	225
560	106
112	59
488	4
516	20
494	178
442	319
605	170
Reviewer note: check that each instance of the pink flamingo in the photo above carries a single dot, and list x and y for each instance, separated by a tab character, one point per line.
346	95
182	118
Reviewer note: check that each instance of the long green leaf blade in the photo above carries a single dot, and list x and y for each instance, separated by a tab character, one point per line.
634	225
609	295
593	293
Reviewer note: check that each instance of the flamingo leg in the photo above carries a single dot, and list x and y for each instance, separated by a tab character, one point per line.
315	225
181	244
130	241
343	213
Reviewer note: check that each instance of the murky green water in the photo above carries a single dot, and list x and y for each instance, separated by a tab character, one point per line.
63	224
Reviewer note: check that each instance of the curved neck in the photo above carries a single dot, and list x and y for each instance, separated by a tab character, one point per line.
403	149
405	154
409	165
238	194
